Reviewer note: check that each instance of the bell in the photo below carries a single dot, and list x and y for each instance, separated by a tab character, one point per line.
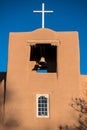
42	60
41	65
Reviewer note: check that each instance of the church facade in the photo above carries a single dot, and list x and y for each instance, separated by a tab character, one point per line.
43	76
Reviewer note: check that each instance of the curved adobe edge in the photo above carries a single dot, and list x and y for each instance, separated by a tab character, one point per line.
44	34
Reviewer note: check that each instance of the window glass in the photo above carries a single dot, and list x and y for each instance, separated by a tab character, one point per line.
42	106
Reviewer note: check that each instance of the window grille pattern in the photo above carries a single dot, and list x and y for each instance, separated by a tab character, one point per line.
42	106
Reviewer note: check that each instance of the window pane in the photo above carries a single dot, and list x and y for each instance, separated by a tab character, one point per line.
45	109
39	113
39	109
42	105
45	101
39	101
45	105
39	105
45	113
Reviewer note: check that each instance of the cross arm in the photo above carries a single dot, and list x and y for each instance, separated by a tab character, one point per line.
37	11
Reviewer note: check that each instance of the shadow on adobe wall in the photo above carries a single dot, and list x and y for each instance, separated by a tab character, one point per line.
2	76
11	123
2	96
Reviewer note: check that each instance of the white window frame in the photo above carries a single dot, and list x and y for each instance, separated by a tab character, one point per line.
42	116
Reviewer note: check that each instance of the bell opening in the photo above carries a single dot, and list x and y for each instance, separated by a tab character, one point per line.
45	56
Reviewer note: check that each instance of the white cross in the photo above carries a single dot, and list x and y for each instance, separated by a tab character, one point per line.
43	11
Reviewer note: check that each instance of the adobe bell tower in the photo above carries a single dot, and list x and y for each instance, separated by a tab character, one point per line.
43	77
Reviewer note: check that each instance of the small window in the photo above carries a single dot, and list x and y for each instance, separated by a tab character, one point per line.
45	56
42	105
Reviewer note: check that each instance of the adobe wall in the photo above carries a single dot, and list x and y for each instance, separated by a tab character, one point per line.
23	84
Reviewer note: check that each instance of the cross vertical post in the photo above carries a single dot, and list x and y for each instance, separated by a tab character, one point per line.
43	15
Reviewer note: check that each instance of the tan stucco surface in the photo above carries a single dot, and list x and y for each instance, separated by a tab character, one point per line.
23	84
83	86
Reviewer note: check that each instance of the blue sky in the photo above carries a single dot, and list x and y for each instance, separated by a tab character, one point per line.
18	16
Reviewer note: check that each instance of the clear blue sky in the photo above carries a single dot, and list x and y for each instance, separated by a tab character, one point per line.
18	16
